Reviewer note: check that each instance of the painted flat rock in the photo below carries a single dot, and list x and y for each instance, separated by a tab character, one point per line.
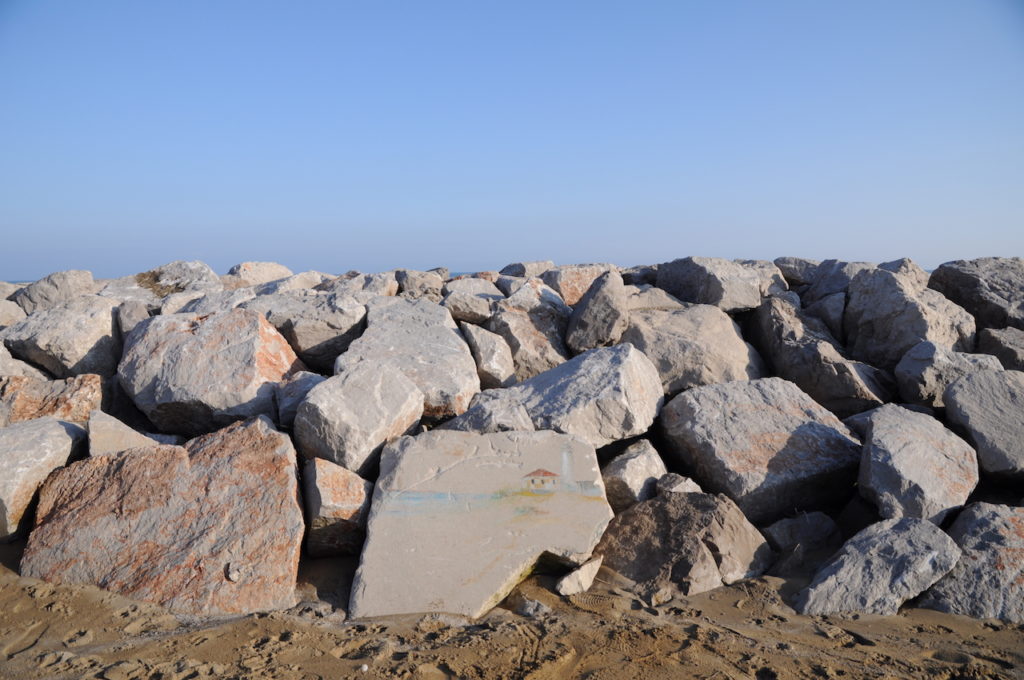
458	519
214	528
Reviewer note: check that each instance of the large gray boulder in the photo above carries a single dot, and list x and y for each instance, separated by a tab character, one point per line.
414	284
10	366
214	528
494	363
421	341
363	287
831	277
988	405
830	310
800	349
990	288
927	369
455	502
694	346
601	396
26	398
527	269
572	281
912	466
71	338
880	568
632	476
29	451
54	290
308	280
888	312
803	543
471	299
191	374
711	281
220	301
348	418
150	287
797	271
533	320
988	581
770	276
1006	344
10	313
601	315
645	297
764	443
337	504
683	544
289	395
246	274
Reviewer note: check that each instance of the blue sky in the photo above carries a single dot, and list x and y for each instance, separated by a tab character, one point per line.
371	135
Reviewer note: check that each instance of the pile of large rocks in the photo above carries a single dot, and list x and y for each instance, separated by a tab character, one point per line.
186	438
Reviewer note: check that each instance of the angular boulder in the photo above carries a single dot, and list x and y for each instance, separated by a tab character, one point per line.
572	281
71	338
290	394
694	346
673	482
29	451
348	418
880	568
601	396
912	466
1006	344
363	287
72	400
10	313
579	580
255	273
152	286
337	504
480	510
191	374
600	316
764	443
711	281
311	280
420	340
53	290
797	271
533	321
988	405
494	363
527	269
645	298
990	288
803	543
683	544
415	284
988	581
633	476
212	529
831	277
109	436
10	366
926	370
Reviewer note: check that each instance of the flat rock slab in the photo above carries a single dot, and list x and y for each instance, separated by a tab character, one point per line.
458	519
74	337
990	288
711	281
71	400
683	544
601	396
912	466
988	581
337	504
927	369
191	374
420	340
764	443
988	406
212	529
694	346
880	568
29	451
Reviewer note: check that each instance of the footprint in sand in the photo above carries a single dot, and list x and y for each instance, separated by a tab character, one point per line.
24	642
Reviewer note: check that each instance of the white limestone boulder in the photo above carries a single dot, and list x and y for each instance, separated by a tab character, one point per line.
533	320
711	281
632	476
494	363
53	290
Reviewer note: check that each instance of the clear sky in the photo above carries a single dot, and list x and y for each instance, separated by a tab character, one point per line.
370	135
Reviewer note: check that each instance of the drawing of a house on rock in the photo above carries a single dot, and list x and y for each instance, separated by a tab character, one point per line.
540	481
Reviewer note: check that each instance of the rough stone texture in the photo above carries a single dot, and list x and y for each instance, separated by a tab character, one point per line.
212	529
8	289
152	286
912	466
990	288
988	406
926	370
764	443
415	284
988	581
508	285
255	273
468	307
494	363
633	476
579	580
337	504
191	374
533	321
527	269
130	314
480	510
74	337
711	281
640	275
887	313
301	281
801	350
830	309
672	482
54	290
831	277
348	418
288	395
645	297
362	286
797	271
26	398
318	326
176	302
683	544
770	276
10	313
421	340
600	316
601	396
109	436
11	366
29	451
803	543
221	301
492	415
880	568
473	286
572	281
1006	344
698	345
